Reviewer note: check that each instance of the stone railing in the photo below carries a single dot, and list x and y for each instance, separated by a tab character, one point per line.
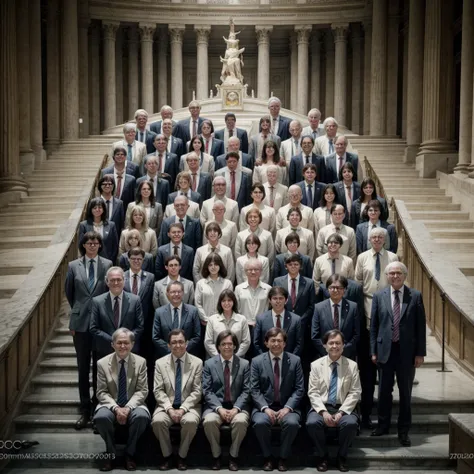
30	317
461	441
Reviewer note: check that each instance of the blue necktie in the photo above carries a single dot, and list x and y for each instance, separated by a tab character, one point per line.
377	267
310	195
122	398
129	153
332	397
331	146
91	274
177	385
175	319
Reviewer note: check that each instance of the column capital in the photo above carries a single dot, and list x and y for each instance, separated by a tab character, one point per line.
110	29
147	30
340	31
202	33
303	32
176	33
263	33
132	34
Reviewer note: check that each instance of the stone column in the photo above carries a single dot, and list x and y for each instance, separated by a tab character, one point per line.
176	33
303	33
367	73
378	83
340	72
27	158
162	67
392	68
70	70
357	115
437	147
316	70
293	72
84	22
263	72
110	110
119	97
465	119
12	185
202	61
133	89
330	71
405	76
416	38
146	40
94	104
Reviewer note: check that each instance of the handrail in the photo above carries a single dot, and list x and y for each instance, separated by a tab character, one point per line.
19	356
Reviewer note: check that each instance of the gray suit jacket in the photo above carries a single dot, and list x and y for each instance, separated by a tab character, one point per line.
213	384
362	233
78	293
331	166
159	292
145	293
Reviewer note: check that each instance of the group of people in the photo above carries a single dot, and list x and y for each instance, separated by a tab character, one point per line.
273	262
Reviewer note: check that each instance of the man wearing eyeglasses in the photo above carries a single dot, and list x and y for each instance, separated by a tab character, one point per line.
336	313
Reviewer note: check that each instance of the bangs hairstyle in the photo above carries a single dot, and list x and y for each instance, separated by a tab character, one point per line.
93	203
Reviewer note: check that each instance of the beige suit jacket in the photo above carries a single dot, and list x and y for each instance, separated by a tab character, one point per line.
231	210
280	195
348	384
289	149
321	146
207	166
307	222
138	151
191	386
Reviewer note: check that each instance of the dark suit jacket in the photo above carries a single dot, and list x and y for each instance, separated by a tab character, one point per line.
187	260
331	166
205	186
102	320
163	324
220	161
349	325
150	138
147	266
317	193
162	189
291	386
192	232
131	168
362	233
213	384
128	190
217	148
412	326
341	199
291	324
145	293
171	167
195	197
177	147
182	129
279	268
305	299
110	240
241	135
79	295
297	164
284	128
156	127
118	214
356	207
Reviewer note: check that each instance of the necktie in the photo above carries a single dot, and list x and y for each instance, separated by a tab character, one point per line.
160	161
118	190
107	204
175	319
341	159
337	230
116	312
227	395
181	221
332	395
122	397
278	321
177	385
272	197
396	317
310	195
336	316
275	126
296	146
91	274
315	134
195	129
135	284
193	179
333	266
207	145
307	159
232	185
231	133
377	267
293	292
331	146
328	216
129	153
276	381
176	248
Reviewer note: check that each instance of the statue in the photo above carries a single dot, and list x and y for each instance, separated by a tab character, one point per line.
232	61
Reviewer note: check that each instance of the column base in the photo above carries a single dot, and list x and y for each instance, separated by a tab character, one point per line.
471	171
27	161
428	163
12	189
52	144
461	168
411	151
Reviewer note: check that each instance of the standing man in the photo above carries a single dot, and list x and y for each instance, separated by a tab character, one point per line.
166	112
85	279
178	398
144	134
325	144
200	182
292	146
314	129
231	130
306	157
122	390
168	162
276	194
265	133
191	126
226	391
277	389
398	346
175	145
135	150
154	175
233	145
280	124
335	161
219	186
310	188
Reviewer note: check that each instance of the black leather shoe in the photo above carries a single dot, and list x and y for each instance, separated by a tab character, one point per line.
268	465
367	424
404	439
182	464
216	464
107	466
322	464
83	421
233	464
341	464
130	464
379	432
282	466
166	465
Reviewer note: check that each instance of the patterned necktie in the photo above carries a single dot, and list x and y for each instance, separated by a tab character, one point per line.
278	321
129	153
207	145
175	319
116	312
336	316
177	385
227	395
118	190
122	397
332	394
396	317
272	198
377	267
232	185
135	284
293	292
276	381
91	274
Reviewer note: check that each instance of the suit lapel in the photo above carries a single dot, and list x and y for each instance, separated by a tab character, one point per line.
286	321
344	313
220	370
114	373
171	371
268	361
301	287
235	369
125	306
130	371
184	316
186	371
126	285
142	284
82	269
406	300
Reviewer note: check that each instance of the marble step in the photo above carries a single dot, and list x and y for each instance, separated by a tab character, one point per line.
430	215
9	284
409	191
69	363
63	340
61	351
389	173
33	229
428	206
65	173
38	241
52	194
45	214
452	233
454	224
52	181
464	245
32	205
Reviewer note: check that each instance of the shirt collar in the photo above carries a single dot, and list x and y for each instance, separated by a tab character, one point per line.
223	360
127	359
112	296
180	307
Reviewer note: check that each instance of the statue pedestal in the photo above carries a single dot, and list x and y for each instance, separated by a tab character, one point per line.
232	95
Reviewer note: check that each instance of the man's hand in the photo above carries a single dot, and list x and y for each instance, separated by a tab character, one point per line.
272	415
419	361
231	414
121	413
176	415
328	419
282	413
374	359
203	323
337	417
282	163
223	413
72	333
258	162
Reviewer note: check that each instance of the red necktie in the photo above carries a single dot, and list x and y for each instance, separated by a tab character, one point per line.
272	197
278	317
135	284
232	185
227	395
194	128
207	145
293	292
276	382
118	191
160	159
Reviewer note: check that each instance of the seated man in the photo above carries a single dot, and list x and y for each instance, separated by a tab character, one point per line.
226	391
334	390
277	389
178	398
122	388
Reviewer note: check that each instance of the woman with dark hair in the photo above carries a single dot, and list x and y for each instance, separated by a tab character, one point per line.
368	193
211	285
270	156
372	219
134	240
322	214
96	220
257	141
227	318
347	190
115	210
145	198
257	194
206	161
252	245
